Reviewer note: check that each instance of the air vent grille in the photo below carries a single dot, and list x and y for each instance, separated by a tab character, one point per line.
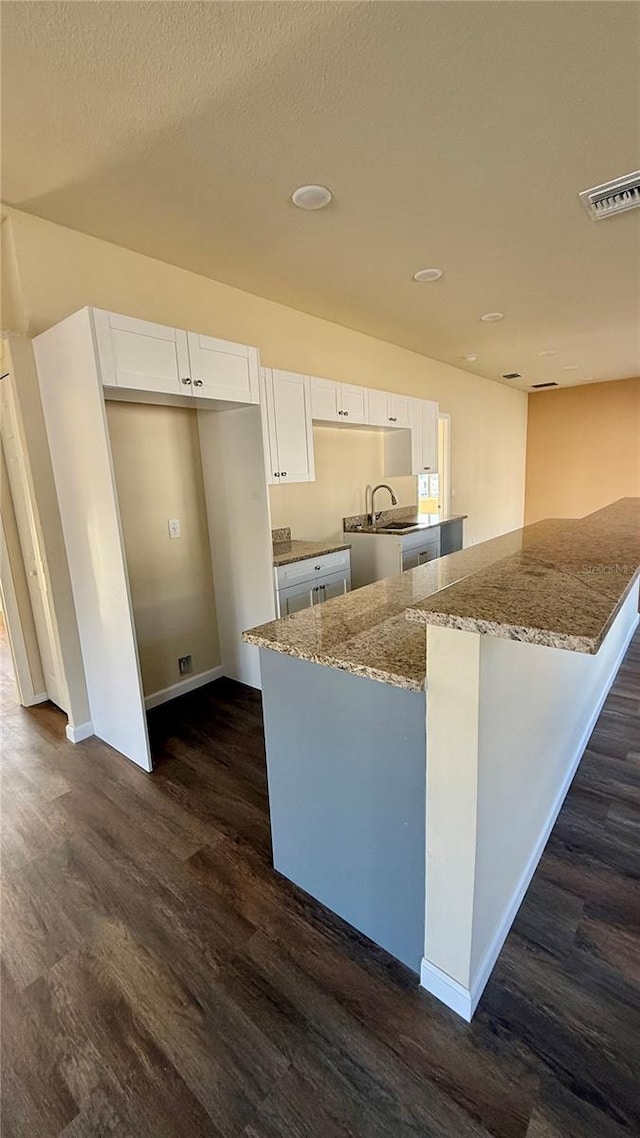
512	375
537	386
614	197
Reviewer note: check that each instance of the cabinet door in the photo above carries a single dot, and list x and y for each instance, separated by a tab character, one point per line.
325	402
415	423
429	436
221	369
420	554
378	408
291	419
295	598
335	585
353	403
140	355
399	410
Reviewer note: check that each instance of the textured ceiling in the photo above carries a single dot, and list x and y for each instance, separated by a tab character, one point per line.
452	134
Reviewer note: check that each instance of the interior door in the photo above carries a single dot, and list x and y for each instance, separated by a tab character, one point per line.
325	401
221	369
140	355
292	425
33	560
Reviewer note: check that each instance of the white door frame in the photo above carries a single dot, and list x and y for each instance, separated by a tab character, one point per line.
27	694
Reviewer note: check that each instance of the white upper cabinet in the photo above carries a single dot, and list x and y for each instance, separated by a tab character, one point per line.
221	369
288	427
429	436
325	399
354	403
333	402
387	410
379	408
140	355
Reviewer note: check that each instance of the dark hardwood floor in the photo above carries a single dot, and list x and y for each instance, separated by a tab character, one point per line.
159	979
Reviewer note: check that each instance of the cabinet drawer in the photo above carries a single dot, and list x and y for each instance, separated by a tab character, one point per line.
422	539
311	567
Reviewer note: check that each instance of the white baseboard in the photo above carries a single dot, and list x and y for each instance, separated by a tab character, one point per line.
465	1000
446	989
75	734
37	697
190	683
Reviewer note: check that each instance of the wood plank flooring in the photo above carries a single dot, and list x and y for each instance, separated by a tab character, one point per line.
159	979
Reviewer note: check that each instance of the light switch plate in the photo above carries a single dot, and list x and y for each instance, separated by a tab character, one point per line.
175	529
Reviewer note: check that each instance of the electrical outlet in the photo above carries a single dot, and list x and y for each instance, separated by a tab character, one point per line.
175	529
185	665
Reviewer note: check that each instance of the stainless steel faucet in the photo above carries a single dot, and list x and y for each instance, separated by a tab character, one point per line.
394	500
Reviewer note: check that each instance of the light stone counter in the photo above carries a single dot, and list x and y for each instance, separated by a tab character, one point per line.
559	583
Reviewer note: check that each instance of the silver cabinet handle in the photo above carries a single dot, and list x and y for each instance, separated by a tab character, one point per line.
426	468
341	412
346	413
393	418
276	474
283	474
316	567
186	380
197	383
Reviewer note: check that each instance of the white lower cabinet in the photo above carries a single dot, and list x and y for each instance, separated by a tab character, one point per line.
302	584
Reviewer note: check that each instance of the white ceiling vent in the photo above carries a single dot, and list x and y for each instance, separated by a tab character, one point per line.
612	197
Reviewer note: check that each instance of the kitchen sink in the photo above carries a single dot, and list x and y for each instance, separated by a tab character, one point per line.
398	525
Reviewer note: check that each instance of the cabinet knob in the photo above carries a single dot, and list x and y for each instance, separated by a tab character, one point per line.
345	413
341	412
323	587
197	383
276	474
426	468
316	567
186	380
283	474
392	418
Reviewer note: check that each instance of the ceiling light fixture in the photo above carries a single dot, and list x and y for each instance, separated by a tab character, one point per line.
491	317
548	352
311	197
471	358
428	275
570	367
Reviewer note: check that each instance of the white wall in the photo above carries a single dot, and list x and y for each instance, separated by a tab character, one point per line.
507	724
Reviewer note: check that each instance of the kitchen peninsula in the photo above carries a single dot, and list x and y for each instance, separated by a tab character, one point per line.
500	656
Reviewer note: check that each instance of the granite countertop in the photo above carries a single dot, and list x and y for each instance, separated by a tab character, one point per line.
563	586
286	550
359	523
559	582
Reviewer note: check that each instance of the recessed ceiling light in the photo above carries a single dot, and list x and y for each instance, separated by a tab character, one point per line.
490	317
311	197
428	275
548	352
471	358
570	367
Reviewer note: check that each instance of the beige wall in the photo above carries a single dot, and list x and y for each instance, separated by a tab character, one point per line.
583	448
53	271
347	461
156	458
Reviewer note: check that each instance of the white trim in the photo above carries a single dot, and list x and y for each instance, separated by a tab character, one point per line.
460	999
182	687
39	697
445	989
75	734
